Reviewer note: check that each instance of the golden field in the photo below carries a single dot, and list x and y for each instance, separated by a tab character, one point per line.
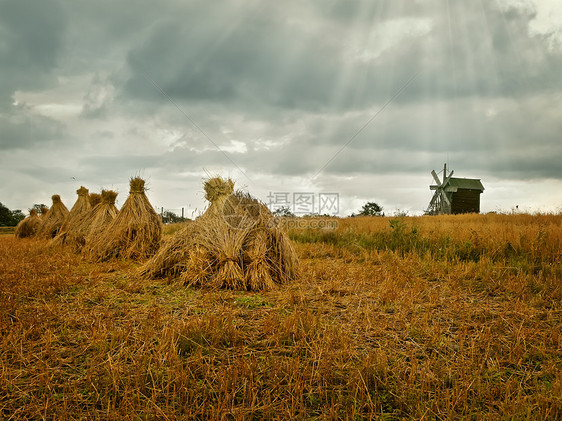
445	317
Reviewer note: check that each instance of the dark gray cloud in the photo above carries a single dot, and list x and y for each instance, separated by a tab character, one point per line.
31	41
262	60
31	34
21	129
269	60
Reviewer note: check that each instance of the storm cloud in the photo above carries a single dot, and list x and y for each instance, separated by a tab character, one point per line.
287	96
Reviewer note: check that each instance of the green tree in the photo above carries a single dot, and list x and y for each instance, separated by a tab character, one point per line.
371	209
10	218
283	211
169	217
38	206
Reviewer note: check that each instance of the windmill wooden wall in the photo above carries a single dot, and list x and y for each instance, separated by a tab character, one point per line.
466	201
465	195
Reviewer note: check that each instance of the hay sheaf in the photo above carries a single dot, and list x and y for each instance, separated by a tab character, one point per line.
29	226
217	191
170	260
235	244
76	215
53	220
134	233
95	221
94	199
44	210
217	187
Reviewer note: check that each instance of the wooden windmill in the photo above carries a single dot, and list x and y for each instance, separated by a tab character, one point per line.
454	195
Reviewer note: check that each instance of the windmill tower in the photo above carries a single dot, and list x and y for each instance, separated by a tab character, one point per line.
440	202
454	195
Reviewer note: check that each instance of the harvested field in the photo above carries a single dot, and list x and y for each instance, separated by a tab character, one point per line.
443	317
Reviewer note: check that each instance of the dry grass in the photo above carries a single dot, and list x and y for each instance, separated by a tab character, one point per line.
521	242
134	233
403	332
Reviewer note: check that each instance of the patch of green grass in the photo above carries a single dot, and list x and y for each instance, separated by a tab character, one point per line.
251	301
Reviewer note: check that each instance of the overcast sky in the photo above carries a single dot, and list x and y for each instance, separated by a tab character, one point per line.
357	97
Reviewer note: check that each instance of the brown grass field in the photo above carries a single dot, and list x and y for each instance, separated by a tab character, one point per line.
449	317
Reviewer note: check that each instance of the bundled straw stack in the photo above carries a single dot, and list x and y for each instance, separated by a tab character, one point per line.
135	232
94	226
53	220
102	204
173	256
235	244
29	226
77	214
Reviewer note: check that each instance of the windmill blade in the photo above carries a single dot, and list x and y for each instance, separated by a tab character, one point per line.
444	197
434	174
446	180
